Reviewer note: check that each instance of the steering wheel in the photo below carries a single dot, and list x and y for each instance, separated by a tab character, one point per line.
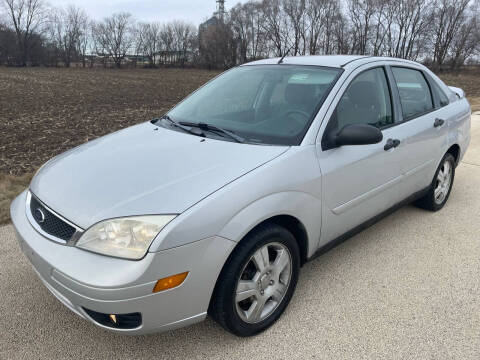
304	116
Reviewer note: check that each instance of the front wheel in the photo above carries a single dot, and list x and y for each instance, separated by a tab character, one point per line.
441	185
257	281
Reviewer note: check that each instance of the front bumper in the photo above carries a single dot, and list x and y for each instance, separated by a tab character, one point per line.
80	279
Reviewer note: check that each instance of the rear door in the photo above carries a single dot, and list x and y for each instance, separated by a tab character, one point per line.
422	129
359	181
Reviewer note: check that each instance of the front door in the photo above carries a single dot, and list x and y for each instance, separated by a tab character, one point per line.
359	181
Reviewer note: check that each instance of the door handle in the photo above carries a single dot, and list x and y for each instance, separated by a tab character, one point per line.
438	122
391	143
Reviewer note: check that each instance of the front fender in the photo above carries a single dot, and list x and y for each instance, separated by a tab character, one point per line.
304	207
288	185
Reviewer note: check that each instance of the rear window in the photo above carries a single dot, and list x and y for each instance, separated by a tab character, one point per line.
415	94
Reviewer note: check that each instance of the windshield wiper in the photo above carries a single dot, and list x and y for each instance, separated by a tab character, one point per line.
180	126
213	128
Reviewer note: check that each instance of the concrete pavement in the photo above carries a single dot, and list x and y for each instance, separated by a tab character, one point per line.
407	287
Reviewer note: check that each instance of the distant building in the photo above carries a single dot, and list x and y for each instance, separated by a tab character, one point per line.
217	45
138	59
173	57
217	17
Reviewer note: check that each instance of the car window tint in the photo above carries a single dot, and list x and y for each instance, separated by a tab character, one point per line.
236	98
271	104
440	94
366	101
415	95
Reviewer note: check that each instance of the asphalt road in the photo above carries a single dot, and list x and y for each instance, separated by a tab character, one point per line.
408	287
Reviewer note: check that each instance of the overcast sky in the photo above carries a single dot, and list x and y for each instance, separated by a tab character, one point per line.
195	11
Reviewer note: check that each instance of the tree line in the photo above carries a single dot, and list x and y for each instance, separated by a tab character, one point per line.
440	33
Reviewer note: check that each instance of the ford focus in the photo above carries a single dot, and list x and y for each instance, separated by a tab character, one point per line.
213	207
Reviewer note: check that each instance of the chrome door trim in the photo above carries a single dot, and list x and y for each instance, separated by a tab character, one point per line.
365	196
418	168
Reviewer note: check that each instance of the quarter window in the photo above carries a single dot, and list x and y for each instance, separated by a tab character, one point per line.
366	101
442	98
415	95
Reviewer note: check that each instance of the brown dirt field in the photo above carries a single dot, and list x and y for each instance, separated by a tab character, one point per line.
44	112
11	186
469	81
47	111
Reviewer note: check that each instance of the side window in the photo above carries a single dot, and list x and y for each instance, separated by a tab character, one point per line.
366	101
415	95
439	93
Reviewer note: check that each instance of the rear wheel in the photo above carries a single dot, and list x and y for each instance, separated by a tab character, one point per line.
441	185
257	282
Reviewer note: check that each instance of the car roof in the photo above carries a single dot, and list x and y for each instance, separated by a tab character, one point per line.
338	61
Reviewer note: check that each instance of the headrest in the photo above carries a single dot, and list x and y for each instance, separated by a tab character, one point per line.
300	94
364	94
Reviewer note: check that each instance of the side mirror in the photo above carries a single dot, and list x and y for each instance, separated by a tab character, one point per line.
358	134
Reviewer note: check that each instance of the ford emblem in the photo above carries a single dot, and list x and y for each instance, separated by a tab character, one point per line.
39	215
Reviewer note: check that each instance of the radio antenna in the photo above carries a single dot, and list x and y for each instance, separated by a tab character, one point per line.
283	57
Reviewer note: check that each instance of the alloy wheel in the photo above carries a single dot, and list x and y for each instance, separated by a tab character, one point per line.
263	282
443	182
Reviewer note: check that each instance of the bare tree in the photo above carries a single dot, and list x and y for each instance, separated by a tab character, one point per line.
449	30
342	35
449	15
410	30
27	18
239	21
149	39
167	37
275	26
315	17
467	42
361	14
67	31
138	39
84	38
94	47
257	34
295	12
115	37
382	20
183	34
321	18
7	44
246	21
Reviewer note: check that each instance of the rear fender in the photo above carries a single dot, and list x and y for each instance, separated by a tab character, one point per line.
459	92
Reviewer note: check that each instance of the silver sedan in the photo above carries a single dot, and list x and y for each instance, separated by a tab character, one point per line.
213	207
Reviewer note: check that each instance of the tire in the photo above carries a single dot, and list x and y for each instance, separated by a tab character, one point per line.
431	201
244	317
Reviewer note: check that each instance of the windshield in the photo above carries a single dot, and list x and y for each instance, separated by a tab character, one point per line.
268	104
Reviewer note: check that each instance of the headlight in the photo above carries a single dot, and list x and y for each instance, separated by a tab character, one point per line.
124	237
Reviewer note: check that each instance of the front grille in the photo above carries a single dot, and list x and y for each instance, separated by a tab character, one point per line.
49	222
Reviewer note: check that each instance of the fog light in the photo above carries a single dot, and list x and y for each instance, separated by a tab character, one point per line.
170	282
119	321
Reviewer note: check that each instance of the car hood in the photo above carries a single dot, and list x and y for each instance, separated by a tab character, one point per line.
142	170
